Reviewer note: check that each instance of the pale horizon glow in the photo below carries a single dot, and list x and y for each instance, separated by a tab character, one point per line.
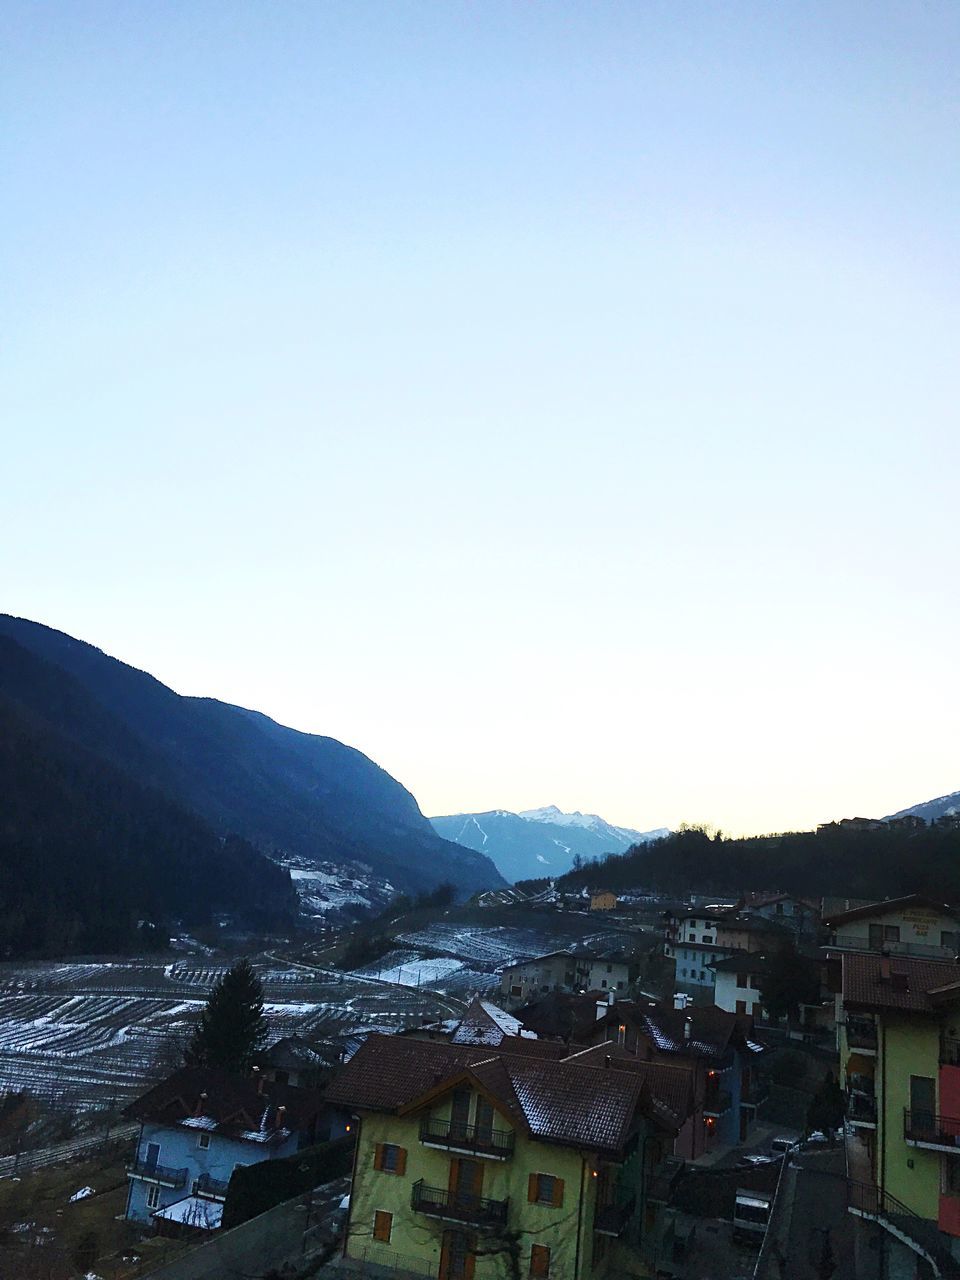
557	403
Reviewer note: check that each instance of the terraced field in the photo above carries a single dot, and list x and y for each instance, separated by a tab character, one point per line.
88	1036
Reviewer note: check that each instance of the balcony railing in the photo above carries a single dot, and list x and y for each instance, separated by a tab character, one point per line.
926	1129
717	1102
612	1219
922	950
211	1188
949	1052
861	1033
862	1109
161	1174
478	1140
458	1206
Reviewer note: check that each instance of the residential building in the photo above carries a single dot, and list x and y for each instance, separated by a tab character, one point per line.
483	1163
719	1048
915	925
898	1021
737	982
603	900
564	1015
562	971
307	1064
696	938
197	1126
798	916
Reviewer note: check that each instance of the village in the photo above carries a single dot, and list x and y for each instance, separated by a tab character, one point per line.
765	1085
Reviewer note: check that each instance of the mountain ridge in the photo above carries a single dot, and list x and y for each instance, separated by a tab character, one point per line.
286	791
539	842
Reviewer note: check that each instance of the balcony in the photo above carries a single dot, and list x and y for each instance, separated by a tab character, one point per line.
862	1034
862	1110
717	1102
921	950
161	1174
936	1133
445	1135
612	1219
949	1052
211	1188
458	1206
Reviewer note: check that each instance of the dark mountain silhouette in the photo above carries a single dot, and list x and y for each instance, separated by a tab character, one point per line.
285	791
91	860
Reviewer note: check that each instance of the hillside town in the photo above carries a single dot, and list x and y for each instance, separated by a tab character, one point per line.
658	1110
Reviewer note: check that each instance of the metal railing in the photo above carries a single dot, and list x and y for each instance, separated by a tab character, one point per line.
467	1137
717	1102
861	1108
949	1052
932	1130
162	1174
861	1033
922	950
612	1219
212	1188
458	1206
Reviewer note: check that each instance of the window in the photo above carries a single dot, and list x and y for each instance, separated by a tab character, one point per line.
755	981
692	938
741	1006
683	973
544	1188
948	938
153	1197
609	968
743	980
619	986
603	983
203	1141
708	941
390	1159
539	1260
779	908
891	933
703	976
382	1226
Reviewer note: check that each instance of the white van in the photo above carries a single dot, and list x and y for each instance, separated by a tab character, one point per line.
751	1213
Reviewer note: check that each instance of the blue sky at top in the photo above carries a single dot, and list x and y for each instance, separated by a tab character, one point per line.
556	401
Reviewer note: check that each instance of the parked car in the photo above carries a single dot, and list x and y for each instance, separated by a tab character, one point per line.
783	1144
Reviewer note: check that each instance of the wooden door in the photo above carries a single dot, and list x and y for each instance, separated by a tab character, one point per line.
466	1181
457	1258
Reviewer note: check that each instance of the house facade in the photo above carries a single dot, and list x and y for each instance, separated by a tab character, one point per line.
562	971
603	900
697	939
196	1127
718	1048
472	1163
912	926
898	1025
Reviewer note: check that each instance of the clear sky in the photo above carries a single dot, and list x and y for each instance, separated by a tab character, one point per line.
557	401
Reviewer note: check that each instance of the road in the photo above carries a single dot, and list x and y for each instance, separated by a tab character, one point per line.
812	1229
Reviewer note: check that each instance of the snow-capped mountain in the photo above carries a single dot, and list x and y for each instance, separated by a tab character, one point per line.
539	842
942	807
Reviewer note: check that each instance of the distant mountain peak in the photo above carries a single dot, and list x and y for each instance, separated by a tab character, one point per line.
537	842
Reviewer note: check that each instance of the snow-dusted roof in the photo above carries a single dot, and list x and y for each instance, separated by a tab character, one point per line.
206	1215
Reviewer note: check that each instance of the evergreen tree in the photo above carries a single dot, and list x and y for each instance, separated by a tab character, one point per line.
232	1027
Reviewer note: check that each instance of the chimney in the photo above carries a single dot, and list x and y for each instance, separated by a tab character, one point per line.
611	998
201	1104
607	1060
687	1028
884	967
261	1081
281	1116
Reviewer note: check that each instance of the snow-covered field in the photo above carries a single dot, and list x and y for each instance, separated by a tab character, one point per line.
91	1035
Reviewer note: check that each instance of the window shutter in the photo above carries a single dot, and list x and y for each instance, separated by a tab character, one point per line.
532	1188
378	1156
401	1160
382	1226
557	1193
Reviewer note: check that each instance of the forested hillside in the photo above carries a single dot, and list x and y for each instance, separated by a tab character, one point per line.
870	864
238	770
91	860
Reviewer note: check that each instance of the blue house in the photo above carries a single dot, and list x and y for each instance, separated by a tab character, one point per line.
200	1124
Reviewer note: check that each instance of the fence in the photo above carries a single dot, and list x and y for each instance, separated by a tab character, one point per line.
65	1152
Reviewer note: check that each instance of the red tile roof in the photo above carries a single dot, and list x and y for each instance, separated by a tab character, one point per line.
560	1101
909	985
